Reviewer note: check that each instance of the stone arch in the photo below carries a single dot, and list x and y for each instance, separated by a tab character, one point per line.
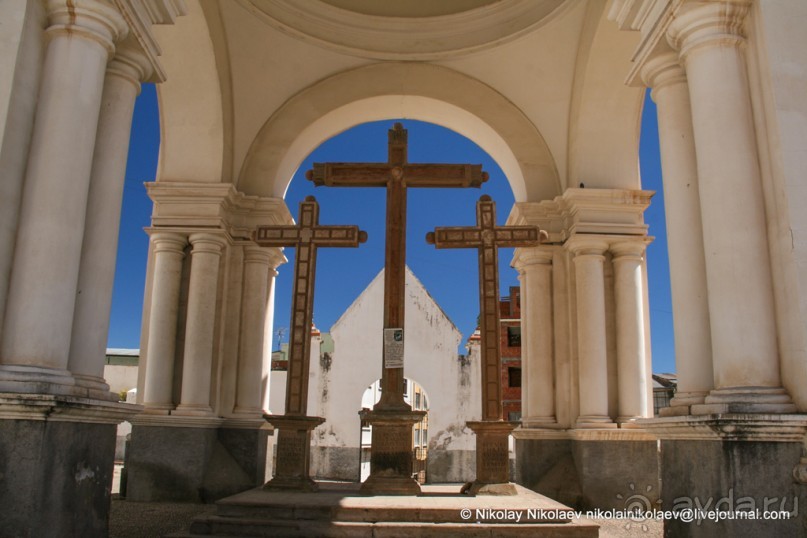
393	90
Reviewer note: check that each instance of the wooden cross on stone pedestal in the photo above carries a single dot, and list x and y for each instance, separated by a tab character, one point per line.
492	460
294	439
392	417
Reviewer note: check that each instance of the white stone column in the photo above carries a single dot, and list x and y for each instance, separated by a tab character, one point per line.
742	317
168	252
99	249
630	330
259	274
693	341
201	320
591	340
537	360
42	290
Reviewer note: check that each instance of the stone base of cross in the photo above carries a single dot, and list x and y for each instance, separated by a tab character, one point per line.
492	458
391	456
293	452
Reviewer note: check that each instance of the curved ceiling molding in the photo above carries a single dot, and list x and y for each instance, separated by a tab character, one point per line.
400	90
396	37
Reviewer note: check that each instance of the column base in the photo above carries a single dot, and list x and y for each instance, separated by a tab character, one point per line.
95	386
745	400
540	422
594	421
39	380
157	408
391	452
293	452
629	422
492	458
193	410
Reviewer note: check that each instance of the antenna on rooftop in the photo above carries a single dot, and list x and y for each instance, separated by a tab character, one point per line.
279	333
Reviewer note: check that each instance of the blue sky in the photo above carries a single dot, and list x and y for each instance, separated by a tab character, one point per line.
342	274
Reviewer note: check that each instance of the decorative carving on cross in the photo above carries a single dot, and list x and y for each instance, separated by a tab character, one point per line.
492	464
294	438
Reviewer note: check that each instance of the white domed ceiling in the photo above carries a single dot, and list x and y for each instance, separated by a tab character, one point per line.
405	29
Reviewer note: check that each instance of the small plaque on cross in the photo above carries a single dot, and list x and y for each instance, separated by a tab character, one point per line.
393	348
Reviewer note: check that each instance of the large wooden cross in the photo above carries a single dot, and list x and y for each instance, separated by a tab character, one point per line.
307	236
294	439
492	463
396	175
487	238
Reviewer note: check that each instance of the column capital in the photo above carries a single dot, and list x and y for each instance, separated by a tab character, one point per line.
130	63
95	20
207	242
168	241
581	245
273	257
628	249
708	24
663	70
526	257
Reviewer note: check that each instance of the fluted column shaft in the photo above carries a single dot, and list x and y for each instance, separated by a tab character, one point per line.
99	249
537	360
259	271
630	329
200	323
693	341
42	290
591	339
742	317
169	251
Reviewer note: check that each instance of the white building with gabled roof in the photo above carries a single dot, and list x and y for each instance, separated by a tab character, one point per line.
339	380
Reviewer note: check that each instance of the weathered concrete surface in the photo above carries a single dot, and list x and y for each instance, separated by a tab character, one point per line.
609	472
193	464
55	478
589	474
335	463
451	466
730	476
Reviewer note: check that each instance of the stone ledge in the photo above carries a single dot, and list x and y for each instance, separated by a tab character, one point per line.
609	434
62	408
176	421
730	427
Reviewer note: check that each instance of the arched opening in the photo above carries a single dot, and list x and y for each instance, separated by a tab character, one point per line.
400	90
449	276
414	395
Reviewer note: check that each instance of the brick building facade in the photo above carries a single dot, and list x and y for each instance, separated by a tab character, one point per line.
510	345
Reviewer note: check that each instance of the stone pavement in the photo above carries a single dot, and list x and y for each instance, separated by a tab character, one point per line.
151	520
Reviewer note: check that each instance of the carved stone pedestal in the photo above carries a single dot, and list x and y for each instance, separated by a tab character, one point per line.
391	454
492	458
293	452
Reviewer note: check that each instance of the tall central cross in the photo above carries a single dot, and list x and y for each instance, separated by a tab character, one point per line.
294	439
392	418
492	463
396	175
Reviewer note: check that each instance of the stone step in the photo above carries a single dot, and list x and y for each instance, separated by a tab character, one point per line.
216	526
338	510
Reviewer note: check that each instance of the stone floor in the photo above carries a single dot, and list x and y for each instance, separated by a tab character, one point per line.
151	520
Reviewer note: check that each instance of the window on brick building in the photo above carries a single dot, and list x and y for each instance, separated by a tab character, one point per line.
513	377
514	336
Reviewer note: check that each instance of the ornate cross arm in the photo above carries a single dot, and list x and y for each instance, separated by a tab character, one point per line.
412	175
309	231
462	237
